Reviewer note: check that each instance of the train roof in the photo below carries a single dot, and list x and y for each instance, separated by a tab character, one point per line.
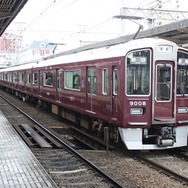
18	67
119	50
92	54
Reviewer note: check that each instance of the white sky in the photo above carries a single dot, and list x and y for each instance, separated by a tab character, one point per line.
63	20
66	20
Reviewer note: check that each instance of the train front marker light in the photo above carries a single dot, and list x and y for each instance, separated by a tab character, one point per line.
182	110
165	48
136	111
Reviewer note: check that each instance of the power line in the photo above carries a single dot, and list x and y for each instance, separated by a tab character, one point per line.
42	13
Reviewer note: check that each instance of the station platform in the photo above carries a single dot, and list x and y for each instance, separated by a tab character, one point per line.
19	168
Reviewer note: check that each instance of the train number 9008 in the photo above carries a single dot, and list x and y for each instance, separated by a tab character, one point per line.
137	103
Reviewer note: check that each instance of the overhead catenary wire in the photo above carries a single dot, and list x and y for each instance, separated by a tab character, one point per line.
38	16
65	6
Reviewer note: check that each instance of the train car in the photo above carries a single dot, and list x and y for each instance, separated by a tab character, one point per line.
17	79
128	88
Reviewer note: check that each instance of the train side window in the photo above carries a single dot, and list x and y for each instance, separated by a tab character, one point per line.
9	77
91	81
21	77
163	82
1	76
94	82
4	77
115	82
182	73
28	78
14	78
72	79
48	78
59	79
35	78
105	81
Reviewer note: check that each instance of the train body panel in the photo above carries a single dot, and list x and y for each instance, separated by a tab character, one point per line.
129	88
182	105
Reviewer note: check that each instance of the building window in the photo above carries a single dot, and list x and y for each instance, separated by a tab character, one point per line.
42	52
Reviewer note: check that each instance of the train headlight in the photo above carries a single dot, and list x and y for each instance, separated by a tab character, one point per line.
182	110
136	111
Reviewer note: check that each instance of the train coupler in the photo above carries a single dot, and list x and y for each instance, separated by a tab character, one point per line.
162	142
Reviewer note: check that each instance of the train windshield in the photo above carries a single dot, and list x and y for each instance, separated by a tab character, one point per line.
138	72
182	73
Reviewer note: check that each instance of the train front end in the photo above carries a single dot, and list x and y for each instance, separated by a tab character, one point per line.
150	120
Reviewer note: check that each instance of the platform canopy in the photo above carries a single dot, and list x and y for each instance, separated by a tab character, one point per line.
176	32
8	11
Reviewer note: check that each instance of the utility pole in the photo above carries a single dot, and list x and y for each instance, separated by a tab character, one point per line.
124	22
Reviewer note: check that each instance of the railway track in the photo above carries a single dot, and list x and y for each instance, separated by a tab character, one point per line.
64	161
161	162
68	171
127	170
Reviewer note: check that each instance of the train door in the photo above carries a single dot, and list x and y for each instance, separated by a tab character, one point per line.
164	102
182	88
114	92
24	80
58	84
39	82
91	88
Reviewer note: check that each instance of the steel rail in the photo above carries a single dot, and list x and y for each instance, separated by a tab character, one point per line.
160	168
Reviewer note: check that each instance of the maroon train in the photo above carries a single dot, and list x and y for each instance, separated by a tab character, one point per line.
137	89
